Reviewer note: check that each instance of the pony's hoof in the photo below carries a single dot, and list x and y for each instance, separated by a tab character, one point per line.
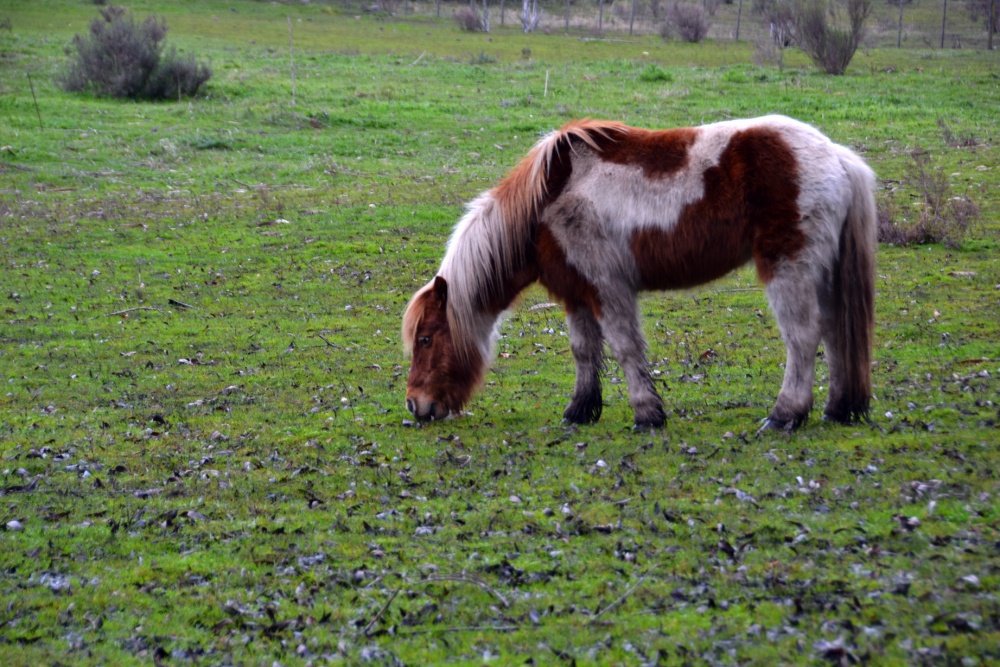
646	426
654	418
847	418
649	424
584	414
772	424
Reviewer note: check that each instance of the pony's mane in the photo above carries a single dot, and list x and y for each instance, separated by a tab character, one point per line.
492	242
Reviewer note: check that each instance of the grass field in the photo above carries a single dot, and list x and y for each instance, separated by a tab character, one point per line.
205	454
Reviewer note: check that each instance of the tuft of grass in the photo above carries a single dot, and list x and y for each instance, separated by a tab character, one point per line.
654	73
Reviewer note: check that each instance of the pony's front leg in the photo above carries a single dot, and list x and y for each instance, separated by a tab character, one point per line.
588	352
623	332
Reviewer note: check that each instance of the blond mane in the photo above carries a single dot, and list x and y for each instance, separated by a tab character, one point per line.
492	242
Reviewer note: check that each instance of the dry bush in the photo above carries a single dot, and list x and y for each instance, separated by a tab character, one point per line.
120	58
830	46
778	16
979	10
940	218
817	27
383	7
644	10
964	140
687	20
468	19
766	52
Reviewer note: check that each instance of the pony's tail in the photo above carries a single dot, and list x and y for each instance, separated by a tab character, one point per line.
854	299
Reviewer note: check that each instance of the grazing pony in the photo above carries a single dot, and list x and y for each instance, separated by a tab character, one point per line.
598	211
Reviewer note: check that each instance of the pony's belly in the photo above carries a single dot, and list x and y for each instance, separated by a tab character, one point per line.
673	260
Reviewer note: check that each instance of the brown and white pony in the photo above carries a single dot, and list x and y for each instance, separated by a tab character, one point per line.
598	211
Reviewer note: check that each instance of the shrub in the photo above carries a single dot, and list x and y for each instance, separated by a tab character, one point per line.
120	58
468	19
687	20
829	46
979	10
815	27
382	8
940	217
778	16
654	73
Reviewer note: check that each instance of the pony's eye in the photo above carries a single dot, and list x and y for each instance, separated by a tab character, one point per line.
425	341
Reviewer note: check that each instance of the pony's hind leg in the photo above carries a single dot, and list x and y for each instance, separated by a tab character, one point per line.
588	353
623	332
793	298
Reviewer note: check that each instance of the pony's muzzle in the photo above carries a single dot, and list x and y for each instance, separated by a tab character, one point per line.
426	409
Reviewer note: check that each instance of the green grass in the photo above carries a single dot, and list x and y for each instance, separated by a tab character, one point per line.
201	432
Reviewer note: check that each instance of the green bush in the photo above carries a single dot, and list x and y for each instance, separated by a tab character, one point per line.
123	59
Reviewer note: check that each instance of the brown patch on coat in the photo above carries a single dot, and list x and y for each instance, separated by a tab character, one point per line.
439	376
660	153
750	209
560	278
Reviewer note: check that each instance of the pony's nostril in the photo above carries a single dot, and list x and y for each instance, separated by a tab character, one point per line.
411	406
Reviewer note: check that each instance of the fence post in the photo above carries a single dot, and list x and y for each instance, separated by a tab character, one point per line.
944	21
739	15
631	19
567	15
899	33
600	18
291	58
992	23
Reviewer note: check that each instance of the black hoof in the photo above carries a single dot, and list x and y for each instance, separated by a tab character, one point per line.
583	412
847	417
646	426
655	419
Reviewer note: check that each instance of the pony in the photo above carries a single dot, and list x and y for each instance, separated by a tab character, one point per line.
598	211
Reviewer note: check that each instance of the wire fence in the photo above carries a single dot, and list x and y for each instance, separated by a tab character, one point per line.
920	24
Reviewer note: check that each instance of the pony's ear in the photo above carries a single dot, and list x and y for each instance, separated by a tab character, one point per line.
441	289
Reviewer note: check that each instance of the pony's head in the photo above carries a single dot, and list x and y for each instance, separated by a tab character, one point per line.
443	372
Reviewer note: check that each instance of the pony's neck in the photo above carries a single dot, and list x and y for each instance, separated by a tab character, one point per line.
489	262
